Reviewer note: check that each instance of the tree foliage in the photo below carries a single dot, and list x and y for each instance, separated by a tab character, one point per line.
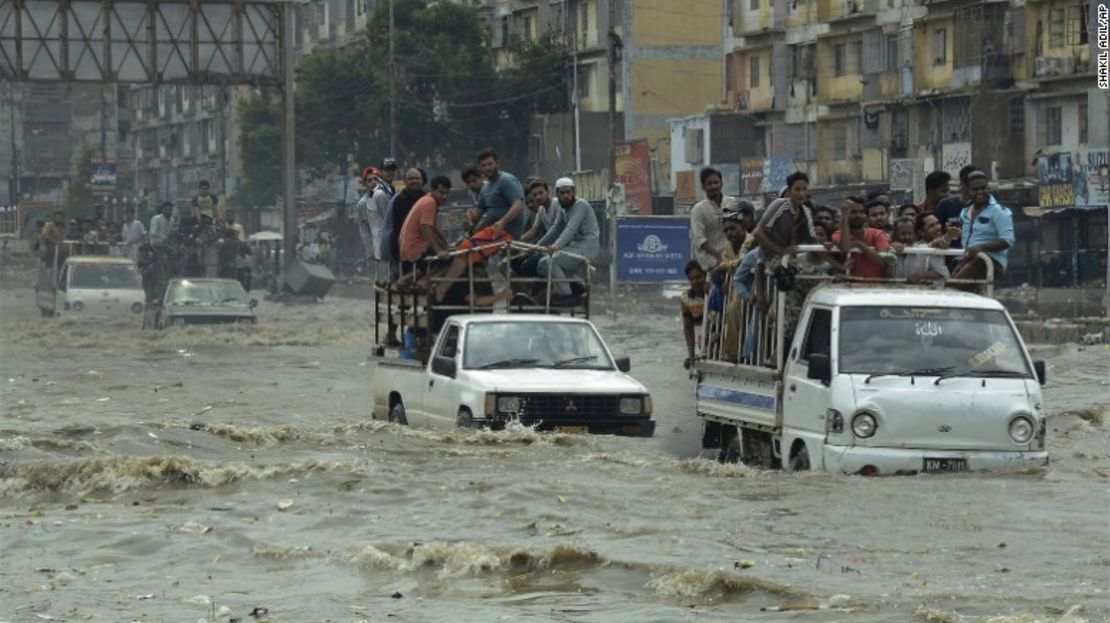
452	100
78	196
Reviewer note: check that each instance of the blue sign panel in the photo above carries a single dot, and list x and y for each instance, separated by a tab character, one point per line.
652	249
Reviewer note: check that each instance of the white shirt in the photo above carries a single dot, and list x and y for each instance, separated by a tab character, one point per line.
160	228
705	226
133	232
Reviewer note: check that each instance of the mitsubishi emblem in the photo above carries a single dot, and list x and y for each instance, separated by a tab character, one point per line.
570	406
944	428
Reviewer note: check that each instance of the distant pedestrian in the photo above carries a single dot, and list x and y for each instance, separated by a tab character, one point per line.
937	190
206	205
132	234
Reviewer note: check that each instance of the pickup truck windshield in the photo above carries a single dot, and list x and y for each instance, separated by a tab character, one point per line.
104	277
206	293
570	345
892	340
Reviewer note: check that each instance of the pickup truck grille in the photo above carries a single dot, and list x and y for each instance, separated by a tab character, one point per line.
555	407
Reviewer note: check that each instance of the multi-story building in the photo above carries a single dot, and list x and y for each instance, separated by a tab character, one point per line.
47	128
667	64
842	88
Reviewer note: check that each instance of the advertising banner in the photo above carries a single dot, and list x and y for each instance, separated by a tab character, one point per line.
1057	181
102	177
634	173
653	249
751	176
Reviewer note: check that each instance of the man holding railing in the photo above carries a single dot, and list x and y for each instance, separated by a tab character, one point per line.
576	232
988	229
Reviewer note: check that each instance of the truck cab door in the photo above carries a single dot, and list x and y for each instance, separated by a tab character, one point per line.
806	400
441	397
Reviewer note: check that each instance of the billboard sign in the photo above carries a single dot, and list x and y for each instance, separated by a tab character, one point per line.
634	173
102	177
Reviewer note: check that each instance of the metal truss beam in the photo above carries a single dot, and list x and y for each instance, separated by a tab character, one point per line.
143	41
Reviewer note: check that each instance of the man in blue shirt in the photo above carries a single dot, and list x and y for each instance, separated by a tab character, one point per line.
501	199
988	228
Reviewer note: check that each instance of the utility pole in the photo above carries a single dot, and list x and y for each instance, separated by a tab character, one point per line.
288	164
574	81
13	188
392	90
612	90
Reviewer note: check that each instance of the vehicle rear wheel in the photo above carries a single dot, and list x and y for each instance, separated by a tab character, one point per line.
397	414
756	450
730	445
799	457
465	419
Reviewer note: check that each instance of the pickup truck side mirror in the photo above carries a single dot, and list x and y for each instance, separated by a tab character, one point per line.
624	364
253	303
444	366
820	368
1038	367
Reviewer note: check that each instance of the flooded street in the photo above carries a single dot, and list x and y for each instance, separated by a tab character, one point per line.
204	473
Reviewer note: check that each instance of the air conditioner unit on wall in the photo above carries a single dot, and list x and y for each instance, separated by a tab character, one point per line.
1040	66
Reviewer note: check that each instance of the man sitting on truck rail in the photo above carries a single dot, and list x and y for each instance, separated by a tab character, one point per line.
868	242
988	228
421	242
576	231
707	237
53	234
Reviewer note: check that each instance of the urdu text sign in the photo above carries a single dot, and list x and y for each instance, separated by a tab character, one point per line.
652	249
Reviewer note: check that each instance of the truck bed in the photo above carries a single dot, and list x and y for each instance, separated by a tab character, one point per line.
737	393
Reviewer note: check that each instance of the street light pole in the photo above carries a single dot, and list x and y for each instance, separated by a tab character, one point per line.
392	90
288	151
612	91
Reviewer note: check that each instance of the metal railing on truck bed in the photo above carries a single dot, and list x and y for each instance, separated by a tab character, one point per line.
744	331
413	305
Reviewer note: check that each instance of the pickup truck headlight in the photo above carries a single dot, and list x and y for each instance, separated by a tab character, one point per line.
508	404
1022	429
632	406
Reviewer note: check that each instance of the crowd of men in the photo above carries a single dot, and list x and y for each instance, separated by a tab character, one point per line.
169	247
400	229
737	250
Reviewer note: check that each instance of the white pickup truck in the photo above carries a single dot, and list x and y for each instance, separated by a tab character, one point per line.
882	380
98	286
485	370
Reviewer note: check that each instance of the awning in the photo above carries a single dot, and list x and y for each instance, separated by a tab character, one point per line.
1038	211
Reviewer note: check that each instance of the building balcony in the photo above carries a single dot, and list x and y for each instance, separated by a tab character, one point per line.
839	10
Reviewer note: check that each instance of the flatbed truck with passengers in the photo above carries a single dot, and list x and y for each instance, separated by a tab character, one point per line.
464	366
880	378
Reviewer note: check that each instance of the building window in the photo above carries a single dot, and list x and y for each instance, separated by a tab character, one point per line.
1053	127
1016	120
528	35
1077	24
892	53
695	145
753	5
840	51
855	60
584	24
753	72
505	31
1056	28
840	143
584	74
940	46
1083	124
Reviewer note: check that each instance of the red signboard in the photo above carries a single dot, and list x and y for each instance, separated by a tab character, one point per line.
634	173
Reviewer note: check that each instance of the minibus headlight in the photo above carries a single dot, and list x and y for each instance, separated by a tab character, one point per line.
508	404
632	406
864	425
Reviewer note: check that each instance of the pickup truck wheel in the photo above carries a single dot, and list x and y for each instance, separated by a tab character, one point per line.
730	445
799	458
465	419
757	451
397	414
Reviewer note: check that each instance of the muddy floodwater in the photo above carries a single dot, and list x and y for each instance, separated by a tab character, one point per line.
212	473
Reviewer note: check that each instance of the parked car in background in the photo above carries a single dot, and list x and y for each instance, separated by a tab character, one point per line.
204	301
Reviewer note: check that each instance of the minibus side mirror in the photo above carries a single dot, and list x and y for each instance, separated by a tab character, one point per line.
820	368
